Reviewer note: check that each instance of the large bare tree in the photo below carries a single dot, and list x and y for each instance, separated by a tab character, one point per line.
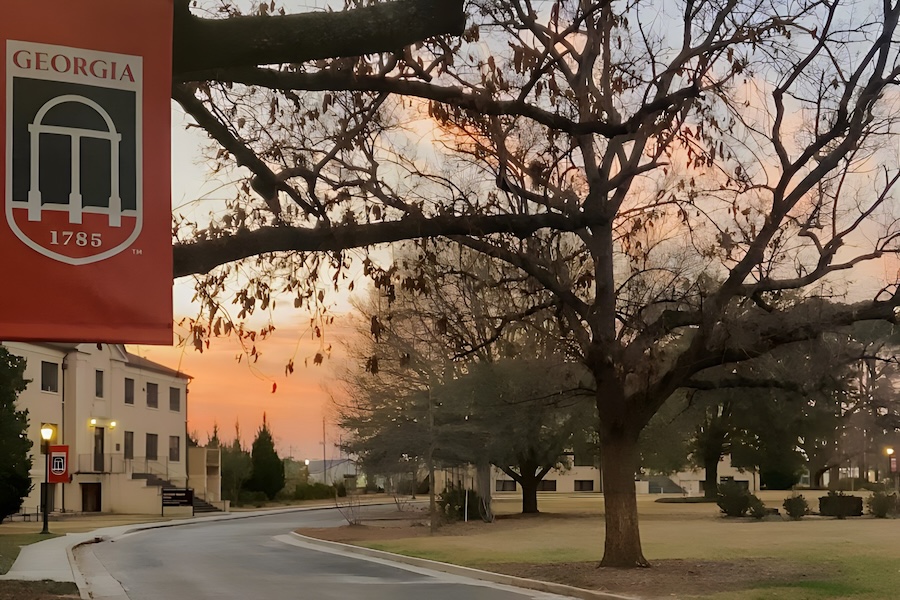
688	164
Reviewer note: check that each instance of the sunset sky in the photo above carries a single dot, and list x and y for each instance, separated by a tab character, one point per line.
226	391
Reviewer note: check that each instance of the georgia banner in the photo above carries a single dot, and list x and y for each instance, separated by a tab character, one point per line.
85	235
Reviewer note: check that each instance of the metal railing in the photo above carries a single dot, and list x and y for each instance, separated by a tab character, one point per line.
104	463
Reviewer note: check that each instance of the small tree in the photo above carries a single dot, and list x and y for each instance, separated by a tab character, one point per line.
267	469
236	466
15	461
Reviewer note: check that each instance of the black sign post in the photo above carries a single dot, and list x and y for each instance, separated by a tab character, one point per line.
177	497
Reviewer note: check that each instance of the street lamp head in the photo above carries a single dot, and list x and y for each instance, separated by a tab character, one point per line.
889	451
46	432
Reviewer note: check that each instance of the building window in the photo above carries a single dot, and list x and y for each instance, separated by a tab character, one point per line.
547	485
506	485
174	399
584	485
174	448
152	446
152	395
98	384
129	391
129	445
49	376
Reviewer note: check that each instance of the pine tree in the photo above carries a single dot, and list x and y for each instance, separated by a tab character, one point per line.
235	465
268	469
15	461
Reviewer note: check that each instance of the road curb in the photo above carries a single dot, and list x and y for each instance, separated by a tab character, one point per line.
521	582
80	581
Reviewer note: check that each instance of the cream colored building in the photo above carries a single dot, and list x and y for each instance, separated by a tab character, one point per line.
573	478
123	418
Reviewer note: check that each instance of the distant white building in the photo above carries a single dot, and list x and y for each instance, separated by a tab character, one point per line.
577	476
332	471
123	418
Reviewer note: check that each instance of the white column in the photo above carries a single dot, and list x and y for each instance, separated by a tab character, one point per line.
34	193
75	193
115	200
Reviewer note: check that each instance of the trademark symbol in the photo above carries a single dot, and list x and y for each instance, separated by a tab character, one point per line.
137	251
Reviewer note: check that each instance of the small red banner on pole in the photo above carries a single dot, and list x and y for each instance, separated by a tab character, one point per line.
59	464
85	234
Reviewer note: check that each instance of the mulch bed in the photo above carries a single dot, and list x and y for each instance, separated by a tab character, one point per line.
38	590
669	578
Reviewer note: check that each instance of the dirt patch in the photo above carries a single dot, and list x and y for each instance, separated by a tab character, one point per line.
37	590
668	577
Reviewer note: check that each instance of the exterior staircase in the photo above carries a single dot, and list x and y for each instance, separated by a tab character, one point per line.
660	484
202	506
153	480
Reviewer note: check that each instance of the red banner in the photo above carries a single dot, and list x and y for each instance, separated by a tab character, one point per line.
59	464
86	232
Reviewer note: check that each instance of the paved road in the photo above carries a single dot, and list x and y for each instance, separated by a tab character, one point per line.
258	559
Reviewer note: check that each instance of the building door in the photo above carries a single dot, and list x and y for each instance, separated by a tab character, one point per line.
98	449
90	497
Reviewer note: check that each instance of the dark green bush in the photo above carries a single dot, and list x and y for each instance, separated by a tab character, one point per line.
881	504
252	498
733	499
840	505
313	491
341	489
778	479
452	502
796	507
758	509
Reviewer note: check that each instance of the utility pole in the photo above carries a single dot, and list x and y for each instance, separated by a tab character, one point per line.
324	460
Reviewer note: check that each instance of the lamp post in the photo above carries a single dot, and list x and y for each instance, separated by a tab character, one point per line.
46	436
892	467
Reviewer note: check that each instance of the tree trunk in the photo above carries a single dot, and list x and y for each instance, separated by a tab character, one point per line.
711	482
483	485
834	475
618	457
529	495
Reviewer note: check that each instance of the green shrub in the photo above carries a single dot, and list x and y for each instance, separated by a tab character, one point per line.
778	479
341	489
313	491
796	507
733	499
758	509
840	505
452	502
252	498
881	504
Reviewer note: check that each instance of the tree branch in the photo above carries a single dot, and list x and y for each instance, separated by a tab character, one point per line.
203	256
451	95
265	40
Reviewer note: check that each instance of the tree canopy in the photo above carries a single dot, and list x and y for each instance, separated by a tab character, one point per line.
685	182
15	447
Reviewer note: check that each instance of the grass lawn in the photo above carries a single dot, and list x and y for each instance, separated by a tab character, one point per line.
809	559
10	544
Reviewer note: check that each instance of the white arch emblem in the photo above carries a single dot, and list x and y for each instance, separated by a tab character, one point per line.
114	211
